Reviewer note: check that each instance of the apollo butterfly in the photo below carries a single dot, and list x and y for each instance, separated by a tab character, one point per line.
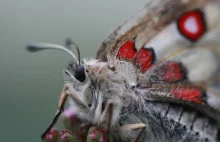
156	77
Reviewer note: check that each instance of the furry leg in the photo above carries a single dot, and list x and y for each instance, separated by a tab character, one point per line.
132	127
63	98
107	115
140	134
72	94
62	102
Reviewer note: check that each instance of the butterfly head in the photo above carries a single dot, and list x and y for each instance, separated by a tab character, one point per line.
95	85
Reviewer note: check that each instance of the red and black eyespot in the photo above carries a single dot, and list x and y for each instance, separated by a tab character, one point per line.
195	95
145	58
192	24
127	50
174	71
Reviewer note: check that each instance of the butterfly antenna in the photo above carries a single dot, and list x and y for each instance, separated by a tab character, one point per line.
69	43
35	47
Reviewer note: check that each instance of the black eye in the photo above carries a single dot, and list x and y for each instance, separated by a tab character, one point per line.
80	73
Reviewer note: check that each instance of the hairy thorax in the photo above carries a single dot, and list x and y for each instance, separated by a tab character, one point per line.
164	121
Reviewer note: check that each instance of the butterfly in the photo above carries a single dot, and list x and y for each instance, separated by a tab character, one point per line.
156	77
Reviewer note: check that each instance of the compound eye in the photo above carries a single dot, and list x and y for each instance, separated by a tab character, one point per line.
80	73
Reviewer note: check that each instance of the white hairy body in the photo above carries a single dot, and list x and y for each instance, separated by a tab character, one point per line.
131	105
118	96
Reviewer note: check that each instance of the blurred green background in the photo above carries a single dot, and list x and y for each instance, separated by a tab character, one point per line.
30	84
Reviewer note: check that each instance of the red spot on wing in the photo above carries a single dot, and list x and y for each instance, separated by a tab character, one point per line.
192	24
127	50
145	58
173	71
188	94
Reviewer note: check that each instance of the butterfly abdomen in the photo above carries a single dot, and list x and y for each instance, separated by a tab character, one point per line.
166	122
174	123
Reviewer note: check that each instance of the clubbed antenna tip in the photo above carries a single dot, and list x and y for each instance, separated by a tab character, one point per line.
31	47
35	46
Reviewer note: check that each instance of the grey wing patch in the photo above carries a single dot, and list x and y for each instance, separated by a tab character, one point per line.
106	44
143	15
122	29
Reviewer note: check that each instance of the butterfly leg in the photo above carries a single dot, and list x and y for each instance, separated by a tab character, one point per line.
140	134
62	102
133	127
107	116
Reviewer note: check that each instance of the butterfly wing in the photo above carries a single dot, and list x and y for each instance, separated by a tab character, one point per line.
171	48
124	28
